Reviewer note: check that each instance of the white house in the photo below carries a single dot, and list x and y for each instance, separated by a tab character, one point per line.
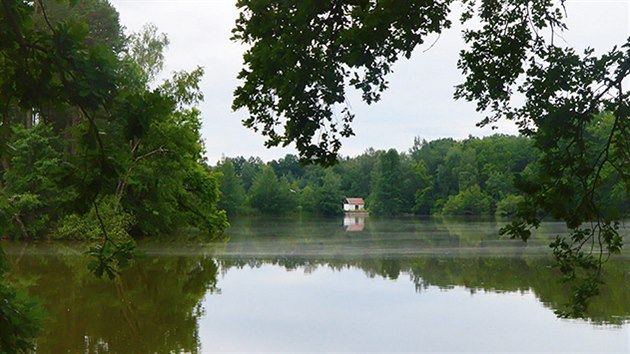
354	222
354	204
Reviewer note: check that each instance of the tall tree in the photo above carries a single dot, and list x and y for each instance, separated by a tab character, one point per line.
246	169
356	173
146	49
288	166
232	191
423	196
269	195
329	196
386	194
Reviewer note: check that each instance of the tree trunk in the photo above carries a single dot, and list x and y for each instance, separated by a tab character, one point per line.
28	119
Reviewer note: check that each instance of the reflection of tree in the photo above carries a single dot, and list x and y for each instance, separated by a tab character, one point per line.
153	307
446	253
20	316
476	273
443	252
523	274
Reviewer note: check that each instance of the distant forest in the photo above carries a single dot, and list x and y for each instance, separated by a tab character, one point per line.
475	176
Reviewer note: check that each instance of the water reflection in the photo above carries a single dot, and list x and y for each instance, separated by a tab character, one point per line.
157	305
353	222
490	274
154	307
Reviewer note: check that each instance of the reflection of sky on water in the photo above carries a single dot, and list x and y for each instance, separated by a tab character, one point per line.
316	288
270	309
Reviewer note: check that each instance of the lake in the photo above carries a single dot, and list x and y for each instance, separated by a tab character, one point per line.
353	285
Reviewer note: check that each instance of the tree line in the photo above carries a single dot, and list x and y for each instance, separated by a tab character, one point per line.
474	176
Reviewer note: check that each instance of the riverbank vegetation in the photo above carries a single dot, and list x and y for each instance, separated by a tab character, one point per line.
474	176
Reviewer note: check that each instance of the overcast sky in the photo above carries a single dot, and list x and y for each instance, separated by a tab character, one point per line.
418	103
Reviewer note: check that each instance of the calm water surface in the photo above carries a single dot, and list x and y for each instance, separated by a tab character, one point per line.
324	285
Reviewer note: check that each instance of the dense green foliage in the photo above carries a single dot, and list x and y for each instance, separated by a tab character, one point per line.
84	136
269	194
475	176
329	194
470	201
232	191
386	185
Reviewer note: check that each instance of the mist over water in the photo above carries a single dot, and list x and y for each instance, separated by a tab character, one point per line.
324	285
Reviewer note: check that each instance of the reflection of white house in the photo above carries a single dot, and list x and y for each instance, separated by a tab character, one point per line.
354	204
354	223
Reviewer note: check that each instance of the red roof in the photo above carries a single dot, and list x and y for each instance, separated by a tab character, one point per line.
355	227
355	201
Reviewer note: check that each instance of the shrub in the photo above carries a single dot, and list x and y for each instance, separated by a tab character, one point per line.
471	201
